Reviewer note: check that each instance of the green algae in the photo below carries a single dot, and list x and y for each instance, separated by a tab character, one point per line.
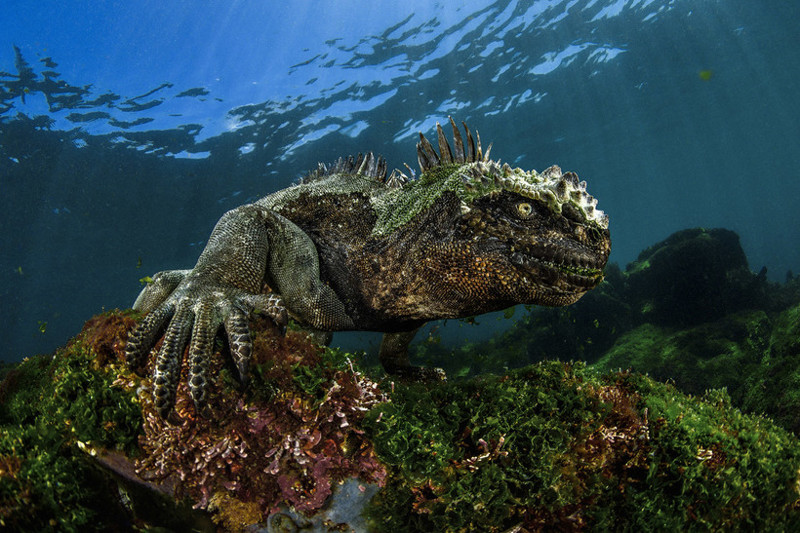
549	446
715	468
755	357
558	446
475	454
54	410
718	354
773	387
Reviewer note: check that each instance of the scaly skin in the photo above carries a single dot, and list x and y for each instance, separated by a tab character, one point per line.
352	249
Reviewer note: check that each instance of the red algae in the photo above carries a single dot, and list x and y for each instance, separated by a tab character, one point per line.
291	449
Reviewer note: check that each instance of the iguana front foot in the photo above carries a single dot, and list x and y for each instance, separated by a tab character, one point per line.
191	312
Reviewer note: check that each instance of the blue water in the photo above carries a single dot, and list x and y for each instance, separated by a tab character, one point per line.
128	128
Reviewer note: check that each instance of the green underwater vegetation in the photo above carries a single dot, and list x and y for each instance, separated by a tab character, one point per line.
530	444
755	356
51	409
558	446
82	448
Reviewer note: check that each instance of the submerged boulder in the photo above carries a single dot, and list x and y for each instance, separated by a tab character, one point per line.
773	387
315	443
289	441
722	353
693	276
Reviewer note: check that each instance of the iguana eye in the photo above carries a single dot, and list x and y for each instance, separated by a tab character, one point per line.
524	209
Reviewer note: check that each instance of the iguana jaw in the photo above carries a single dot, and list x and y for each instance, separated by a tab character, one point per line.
559	271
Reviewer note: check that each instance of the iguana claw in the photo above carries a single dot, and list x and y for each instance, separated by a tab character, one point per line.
191	314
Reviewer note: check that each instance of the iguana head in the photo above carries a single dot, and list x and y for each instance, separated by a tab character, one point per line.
516	236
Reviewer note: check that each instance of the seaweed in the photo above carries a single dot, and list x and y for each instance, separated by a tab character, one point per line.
288	441
54	409
553	445
558	446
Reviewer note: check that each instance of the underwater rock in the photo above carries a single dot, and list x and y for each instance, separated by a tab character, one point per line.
693	276
290	440
753	354
723	353
773	387
313	443
345	508
556	447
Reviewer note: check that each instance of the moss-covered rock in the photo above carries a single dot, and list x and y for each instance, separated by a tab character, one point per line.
51	409
693	276
554	445
81	446
774	386
723	353
756	358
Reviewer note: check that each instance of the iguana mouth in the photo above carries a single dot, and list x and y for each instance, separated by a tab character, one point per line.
575	269
589	277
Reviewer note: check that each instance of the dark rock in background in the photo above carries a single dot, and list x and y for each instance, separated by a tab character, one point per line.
693	276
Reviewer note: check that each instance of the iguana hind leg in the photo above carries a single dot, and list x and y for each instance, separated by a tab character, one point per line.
393	356
319	337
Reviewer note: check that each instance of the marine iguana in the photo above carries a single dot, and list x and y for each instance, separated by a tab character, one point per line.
352	248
